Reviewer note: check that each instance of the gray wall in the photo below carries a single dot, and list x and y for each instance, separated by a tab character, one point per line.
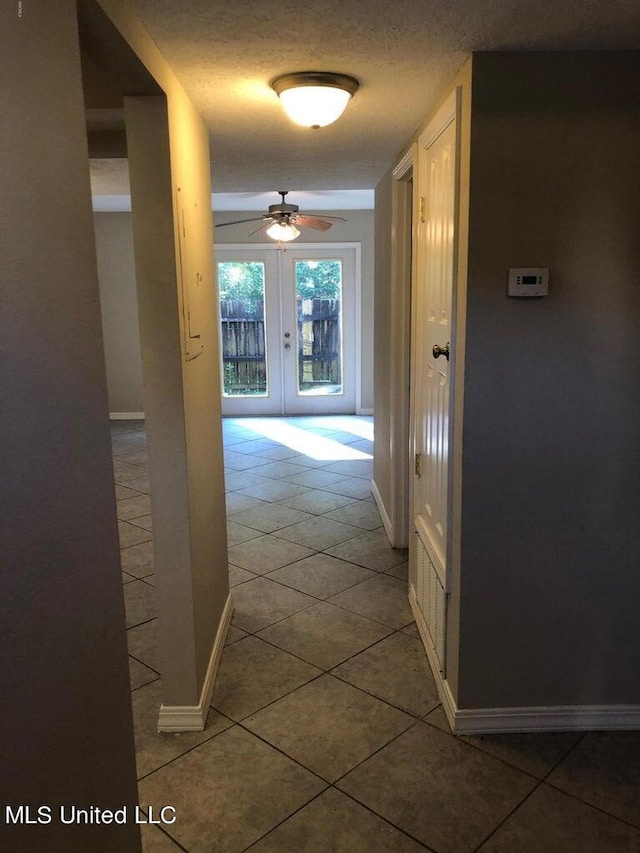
551	465
358	228
67	730
119	304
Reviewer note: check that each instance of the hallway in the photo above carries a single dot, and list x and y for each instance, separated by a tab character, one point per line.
326	732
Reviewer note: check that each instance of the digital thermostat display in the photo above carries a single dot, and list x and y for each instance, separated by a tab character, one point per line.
528	281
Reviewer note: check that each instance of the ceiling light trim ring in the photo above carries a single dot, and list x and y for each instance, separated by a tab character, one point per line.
315	78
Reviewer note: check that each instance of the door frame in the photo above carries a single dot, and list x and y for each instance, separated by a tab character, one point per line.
310	247
404	218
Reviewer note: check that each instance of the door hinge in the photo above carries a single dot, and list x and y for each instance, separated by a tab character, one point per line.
421	208
417	465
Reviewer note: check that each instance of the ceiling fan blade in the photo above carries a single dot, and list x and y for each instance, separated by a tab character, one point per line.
334	218
239	221
313	222
262	227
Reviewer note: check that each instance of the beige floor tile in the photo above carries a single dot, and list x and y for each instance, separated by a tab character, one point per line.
253	674
536	753
317	502
124	472
127	578
262	602
445	793
315	479
266	553
353	468
229	792
236	480
396	670
139	674
274	490
234	634
138	559
382	598
321	575
279	453
401	571
361	514
130	535
324	635
280	470
133	507
604	770
371	550
238	533
124	492
143	521
238	575
241	461
318	533
155	841
351	486
134	457
153	748
270	517
141	484
142	642
139	603
328	726
334	822
552	821
237	502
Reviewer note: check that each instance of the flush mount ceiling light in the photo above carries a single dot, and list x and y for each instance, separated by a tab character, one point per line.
314	98
283	231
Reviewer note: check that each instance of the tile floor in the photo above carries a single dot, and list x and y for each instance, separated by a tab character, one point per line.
326	733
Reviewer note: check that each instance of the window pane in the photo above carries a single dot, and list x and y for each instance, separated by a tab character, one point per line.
319	311
244	354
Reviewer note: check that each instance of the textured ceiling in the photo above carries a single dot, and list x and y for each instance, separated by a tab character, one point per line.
404	53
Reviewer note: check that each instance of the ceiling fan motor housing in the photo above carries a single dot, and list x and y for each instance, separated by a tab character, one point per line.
282	207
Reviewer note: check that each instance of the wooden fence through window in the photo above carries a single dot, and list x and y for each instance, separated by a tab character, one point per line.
244	348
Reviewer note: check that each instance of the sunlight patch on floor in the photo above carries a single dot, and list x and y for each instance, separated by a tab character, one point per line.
303	441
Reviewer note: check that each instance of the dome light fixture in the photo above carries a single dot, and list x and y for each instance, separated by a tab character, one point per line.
283	231
315	98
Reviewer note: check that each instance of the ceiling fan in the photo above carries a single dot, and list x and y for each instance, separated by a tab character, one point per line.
280	223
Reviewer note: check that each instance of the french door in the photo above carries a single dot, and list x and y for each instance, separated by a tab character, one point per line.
288	329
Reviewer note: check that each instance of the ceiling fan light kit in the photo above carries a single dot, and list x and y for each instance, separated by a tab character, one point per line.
283	232
315	98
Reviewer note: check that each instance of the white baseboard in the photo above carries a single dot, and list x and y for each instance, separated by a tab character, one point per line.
126	416
386	521
558	718
188	718
364	411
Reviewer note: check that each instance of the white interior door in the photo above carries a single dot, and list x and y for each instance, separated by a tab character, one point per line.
431	398
288	329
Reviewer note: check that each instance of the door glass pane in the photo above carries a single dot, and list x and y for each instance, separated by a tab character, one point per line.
319	327
244	353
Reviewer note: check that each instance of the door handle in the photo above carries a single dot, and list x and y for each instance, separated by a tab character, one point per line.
438	351
287	346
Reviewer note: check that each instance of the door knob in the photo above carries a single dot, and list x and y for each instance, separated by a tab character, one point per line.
438	351
287	346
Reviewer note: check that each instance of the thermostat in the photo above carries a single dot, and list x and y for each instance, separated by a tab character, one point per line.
528	281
